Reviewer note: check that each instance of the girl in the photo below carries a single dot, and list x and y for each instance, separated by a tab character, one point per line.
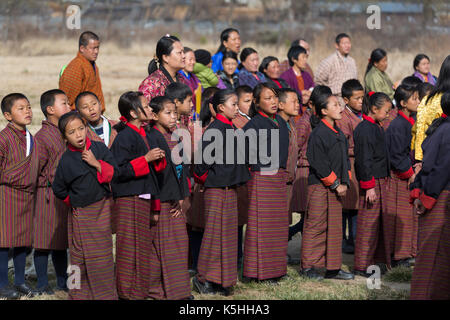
163	70
372	170
376	79
228	77
265	247
421	67
431	191
328	180
133	190
217	266
188	72
270	67
82	181
230	40
169	277
248	70
402	221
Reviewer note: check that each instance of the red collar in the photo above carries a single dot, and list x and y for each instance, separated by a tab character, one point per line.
24	132
277	82
370	119
141	131
409	119
88	146
223	119
266	116
329	125
444	115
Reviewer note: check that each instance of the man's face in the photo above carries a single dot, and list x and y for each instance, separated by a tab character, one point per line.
344	46
90	52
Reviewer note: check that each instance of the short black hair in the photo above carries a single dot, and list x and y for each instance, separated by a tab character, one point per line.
157	103
66	118
296	42
376	99
341	36
293	53
424	89
243	89
48	99
283	93
349	86
411	82
179	91
403	93
9	100
82	95
85	37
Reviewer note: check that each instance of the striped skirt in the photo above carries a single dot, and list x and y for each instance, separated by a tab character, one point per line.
195	213
217	261
90	245
299	200
265	246
16	218
372	241
351	199
322	235
133	246
50	221
169	277
431	276
402	220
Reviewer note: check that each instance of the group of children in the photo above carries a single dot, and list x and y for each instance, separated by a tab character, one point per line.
83	177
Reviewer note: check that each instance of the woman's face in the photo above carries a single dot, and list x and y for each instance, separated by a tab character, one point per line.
301	61
234	42
189	61
273	70
251	63
382	64
424	66
176	59
229	66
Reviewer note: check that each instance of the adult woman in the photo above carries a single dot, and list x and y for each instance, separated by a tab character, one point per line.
270	67
421	66
376	79
248	70
163	70
228	77
230	40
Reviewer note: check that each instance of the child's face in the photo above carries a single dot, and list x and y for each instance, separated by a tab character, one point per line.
356	100
21	113
148	112
333	109
380	114
90	109
412	103
185	107
291	106
268	101
190	62
245	101
168	116
75	133
230	108
229	66
60	107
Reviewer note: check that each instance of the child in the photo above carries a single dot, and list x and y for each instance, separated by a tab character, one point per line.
18	175
82	181
50	222
218	254
181	95
202	69
267	228
431	189
328	181
402	220
372	170
228	77
133	190
169	277
353	95
245	99
99	128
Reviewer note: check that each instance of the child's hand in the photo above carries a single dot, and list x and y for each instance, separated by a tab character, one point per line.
176	211
89	157
341	190
417	167
154	154
371	196
411	179
418	205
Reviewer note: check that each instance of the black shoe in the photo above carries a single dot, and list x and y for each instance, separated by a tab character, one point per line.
9	293
25	290
401	263
312	274
339	275
191	297
361	273
224	291
203	288
45	290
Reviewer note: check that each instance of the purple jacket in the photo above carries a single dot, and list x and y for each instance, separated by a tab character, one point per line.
431	78
291	79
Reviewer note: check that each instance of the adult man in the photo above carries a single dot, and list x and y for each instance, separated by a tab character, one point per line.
284	66
82	74
338	67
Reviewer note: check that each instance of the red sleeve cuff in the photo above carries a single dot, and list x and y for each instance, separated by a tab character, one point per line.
107	172
414	194
189	184
367	184
140	167
427	201
350	174
160	164
201	179
155	205
406	174
67	201
328	181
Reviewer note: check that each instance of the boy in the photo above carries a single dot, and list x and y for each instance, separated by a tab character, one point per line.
181	96
245	98
353	94
202	69
50	224
18	175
